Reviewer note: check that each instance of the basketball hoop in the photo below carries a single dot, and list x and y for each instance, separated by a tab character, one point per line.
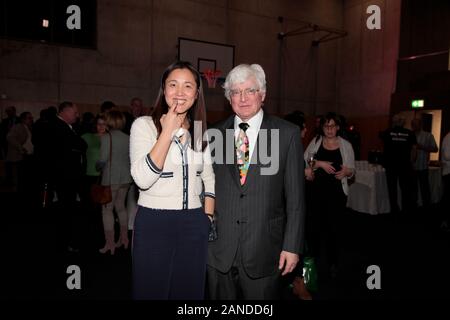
211	76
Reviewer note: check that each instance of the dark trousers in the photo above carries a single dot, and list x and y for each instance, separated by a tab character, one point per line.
68	213
91	220
169	254
445	201
328	219
422	178
405	178
237	285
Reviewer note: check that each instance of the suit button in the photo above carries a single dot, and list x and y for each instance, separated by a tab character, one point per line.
237	221
242	195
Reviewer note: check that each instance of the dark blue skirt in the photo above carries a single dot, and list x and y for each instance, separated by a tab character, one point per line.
169	254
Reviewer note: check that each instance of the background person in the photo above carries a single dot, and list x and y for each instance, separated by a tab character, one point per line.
399	155
425	144
114	162
334	165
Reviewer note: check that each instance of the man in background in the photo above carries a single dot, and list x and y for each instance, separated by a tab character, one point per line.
425	144
67	151
399	155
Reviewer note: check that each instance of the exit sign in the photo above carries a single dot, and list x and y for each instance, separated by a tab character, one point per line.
417	103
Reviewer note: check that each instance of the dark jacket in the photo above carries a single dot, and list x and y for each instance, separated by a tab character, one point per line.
266	215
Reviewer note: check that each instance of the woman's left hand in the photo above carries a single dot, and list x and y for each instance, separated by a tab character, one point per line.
344	172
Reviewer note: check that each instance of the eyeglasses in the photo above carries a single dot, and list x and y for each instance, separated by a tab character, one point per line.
332	126
247	92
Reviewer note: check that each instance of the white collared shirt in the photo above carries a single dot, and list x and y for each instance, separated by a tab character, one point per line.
252	131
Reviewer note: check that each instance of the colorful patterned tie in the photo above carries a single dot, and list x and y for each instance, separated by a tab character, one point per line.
242	152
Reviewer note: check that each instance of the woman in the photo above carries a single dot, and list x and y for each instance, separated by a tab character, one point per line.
115	163
92	176
92	140
334	164
170	165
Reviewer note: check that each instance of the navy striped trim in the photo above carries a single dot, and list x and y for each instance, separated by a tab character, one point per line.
151	165
183	147
166	175
209	194
183	150
185	182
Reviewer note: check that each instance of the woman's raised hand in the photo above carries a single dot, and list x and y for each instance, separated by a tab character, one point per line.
171	121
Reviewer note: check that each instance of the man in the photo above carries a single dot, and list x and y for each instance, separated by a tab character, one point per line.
259	211
136	110
106	106
41	145
399	154
445	163
20	149
425	144
5	126
67	150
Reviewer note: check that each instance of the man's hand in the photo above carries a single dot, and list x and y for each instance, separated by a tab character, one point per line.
288	262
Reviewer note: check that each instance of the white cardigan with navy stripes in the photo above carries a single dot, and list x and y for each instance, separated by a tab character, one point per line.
185	176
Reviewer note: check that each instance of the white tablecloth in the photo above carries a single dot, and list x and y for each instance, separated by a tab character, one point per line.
369	193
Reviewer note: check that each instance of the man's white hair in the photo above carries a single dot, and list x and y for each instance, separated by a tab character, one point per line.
242	73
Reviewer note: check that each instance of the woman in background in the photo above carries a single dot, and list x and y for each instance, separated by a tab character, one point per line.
92	175
334	164
115	165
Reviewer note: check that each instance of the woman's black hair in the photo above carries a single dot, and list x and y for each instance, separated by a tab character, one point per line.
196	113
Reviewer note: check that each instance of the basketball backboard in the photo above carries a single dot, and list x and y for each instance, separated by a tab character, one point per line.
207	55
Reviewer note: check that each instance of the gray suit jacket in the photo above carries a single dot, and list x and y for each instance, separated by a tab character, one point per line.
266	215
